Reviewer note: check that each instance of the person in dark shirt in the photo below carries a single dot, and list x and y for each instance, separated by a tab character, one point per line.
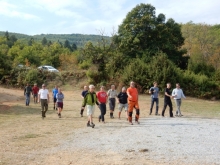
167	100
27	93
83	94
123	102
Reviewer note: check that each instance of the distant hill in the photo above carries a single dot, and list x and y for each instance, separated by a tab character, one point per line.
78	39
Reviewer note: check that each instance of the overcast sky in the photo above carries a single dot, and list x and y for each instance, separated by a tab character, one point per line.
89	16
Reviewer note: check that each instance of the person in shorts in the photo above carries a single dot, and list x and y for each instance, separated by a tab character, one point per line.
35	91
59	97
102	99
123	102
85	90
89	101
54	93
112	94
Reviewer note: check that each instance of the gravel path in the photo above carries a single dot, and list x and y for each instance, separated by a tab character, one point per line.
159	140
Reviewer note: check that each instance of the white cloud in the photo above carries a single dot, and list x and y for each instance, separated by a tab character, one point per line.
10	10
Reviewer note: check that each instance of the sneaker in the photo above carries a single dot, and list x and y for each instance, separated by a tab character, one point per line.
99	119
157	114
130	123
92	125
162	116
53	108
103	122
176	115
59	115
150	113
180	115
88	125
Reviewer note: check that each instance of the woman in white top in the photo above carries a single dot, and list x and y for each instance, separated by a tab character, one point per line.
178	95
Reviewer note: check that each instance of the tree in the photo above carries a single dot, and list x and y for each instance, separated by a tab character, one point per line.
74	47
143	31
44	41
67	45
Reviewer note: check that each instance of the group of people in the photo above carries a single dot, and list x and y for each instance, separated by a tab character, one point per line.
127	99
42	96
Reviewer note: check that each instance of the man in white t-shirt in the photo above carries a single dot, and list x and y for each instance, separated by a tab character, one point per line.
43	97
178	95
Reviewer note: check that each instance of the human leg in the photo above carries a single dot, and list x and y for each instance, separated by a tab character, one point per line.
130	111
164	108
151	107
157	105
171	109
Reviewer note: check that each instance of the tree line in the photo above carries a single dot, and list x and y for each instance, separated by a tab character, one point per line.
146	48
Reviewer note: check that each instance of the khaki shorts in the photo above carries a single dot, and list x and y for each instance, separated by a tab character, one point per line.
90	109
121	106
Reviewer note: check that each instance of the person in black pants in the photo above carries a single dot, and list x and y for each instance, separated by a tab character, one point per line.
167	100
102	99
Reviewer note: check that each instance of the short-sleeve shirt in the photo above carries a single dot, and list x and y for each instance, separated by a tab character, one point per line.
156	92
123	97
134	93
55	91
167	98
102	96
35	90
112	93
84	93
43	93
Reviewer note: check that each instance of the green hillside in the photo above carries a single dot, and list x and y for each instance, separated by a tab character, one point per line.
78	39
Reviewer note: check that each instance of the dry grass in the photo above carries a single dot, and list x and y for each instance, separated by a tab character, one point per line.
24	133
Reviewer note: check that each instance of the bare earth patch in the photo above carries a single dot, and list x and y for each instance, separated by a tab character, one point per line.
27	139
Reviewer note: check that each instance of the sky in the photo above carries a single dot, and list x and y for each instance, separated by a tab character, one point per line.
95	16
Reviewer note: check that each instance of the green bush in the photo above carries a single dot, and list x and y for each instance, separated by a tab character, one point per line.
85	65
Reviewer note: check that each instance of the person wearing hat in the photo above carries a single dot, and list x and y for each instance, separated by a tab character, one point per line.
89	101
35	91
43	97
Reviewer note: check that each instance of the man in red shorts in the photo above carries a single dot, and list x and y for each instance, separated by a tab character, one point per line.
35	91
133	103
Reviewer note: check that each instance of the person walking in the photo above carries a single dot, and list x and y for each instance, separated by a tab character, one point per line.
154	91
133	103
35	91
167	100
85	90
102	99
43	97
59	97
112	94
122	102
27	93
178	95
89	101
54	93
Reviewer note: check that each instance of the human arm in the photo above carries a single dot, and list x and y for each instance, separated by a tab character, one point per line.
182	95
48	98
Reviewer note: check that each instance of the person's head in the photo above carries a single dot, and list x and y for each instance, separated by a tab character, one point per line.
155	84
177	85
123	89
59	90
43	86
91	88
113	87
168	85
35	84
132	84
102	88
56	86
27	84
85	88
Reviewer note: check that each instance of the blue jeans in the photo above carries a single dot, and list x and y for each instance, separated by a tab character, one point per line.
27	99
103	111
152	104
